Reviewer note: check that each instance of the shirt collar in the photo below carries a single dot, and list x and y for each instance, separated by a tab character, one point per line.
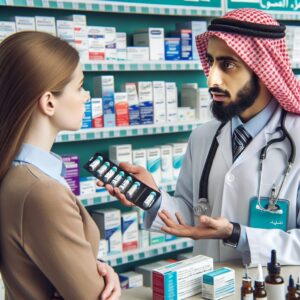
258	122
48	162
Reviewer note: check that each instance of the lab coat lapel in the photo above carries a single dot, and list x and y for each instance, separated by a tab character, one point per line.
224	140
266	134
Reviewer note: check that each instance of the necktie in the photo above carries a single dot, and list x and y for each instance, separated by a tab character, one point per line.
240	139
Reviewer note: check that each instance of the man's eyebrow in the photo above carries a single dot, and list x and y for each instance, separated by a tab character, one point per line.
223	57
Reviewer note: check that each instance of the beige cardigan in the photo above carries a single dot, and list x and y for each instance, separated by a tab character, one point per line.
48	241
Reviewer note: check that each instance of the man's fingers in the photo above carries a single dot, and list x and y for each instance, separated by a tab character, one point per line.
122	197
179	218
166	219
209	222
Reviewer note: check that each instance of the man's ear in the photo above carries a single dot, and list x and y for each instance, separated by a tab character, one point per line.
47	104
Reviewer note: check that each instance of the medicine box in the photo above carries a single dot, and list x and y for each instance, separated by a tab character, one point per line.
110	43
154	163
121	106
218	284
146	270
171	102
139	157
154	39
121	45
87	185
25	23
145	93
96	43
6	29
72	172
179	150
109	223
159	102
182	279
45	24
133	103
120	153
138	53
103	249
97	112
129	225
87	119
130	280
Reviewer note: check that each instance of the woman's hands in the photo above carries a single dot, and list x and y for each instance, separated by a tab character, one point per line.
112	289
208	228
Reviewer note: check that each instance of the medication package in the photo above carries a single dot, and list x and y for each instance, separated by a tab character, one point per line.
134	190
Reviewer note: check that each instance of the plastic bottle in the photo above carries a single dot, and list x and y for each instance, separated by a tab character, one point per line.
100	172
274	282
149	200
125	184
133	190
110	174
259	285
117	179
292	291
246	289
96	163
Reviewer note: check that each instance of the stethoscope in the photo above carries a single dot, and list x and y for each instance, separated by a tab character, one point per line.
202	207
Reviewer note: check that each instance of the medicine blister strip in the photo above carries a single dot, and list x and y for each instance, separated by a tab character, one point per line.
135	191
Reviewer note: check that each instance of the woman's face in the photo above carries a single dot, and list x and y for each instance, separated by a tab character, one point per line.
70	109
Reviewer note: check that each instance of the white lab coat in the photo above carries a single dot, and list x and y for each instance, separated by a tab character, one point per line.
231	185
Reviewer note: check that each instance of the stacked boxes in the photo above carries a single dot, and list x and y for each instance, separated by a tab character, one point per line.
109	223
182	279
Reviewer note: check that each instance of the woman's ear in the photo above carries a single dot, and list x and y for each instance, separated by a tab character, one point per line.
47	103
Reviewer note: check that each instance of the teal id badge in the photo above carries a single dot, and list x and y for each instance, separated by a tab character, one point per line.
262	218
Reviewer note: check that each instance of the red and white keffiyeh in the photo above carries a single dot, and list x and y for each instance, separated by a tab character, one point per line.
268	58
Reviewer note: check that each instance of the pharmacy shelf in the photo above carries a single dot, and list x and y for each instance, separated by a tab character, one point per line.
125	131
151	251
107	66
118	7
105	197
296	65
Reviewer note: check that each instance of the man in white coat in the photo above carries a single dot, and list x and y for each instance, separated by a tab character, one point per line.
244	56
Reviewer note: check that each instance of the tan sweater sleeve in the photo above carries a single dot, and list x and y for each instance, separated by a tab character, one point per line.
54	239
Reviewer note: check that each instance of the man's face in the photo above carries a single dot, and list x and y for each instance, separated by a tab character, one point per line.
232	85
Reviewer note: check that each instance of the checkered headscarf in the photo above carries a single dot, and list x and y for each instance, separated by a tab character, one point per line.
265	56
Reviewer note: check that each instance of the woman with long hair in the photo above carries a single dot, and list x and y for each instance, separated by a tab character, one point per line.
48	241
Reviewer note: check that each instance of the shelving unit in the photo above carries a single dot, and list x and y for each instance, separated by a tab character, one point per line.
125	131
107	66
151	251
118	7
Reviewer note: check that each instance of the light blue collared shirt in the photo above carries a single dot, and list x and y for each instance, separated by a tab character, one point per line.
48	162
253	127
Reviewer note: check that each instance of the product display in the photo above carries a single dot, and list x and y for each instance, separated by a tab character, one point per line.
135	190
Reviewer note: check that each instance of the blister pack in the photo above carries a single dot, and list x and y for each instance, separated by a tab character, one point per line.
135	191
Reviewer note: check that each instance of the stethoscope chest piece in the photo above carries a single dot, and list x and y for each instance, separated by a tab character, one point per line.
201	207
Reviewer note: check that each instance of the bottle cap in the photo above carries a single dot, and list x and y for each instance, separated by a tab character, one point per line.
260	277
273	266
291	282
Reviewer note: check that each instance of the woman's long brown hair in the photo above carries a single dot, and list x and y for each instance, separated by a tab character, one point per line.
31	63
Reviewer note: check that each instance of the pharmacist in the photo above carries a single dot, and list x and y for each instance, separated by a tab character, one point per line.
237	193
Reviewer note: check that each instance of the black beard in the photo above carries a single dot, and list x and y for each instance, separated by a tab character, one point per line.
244	99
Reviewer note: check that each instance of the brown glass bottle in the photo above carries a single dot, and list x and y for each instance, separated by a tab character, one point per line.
246	289
274	282
292	291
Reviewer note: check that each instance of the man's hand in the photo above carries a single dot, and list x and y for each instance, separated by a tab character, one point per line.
139	172
112	289
209	228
